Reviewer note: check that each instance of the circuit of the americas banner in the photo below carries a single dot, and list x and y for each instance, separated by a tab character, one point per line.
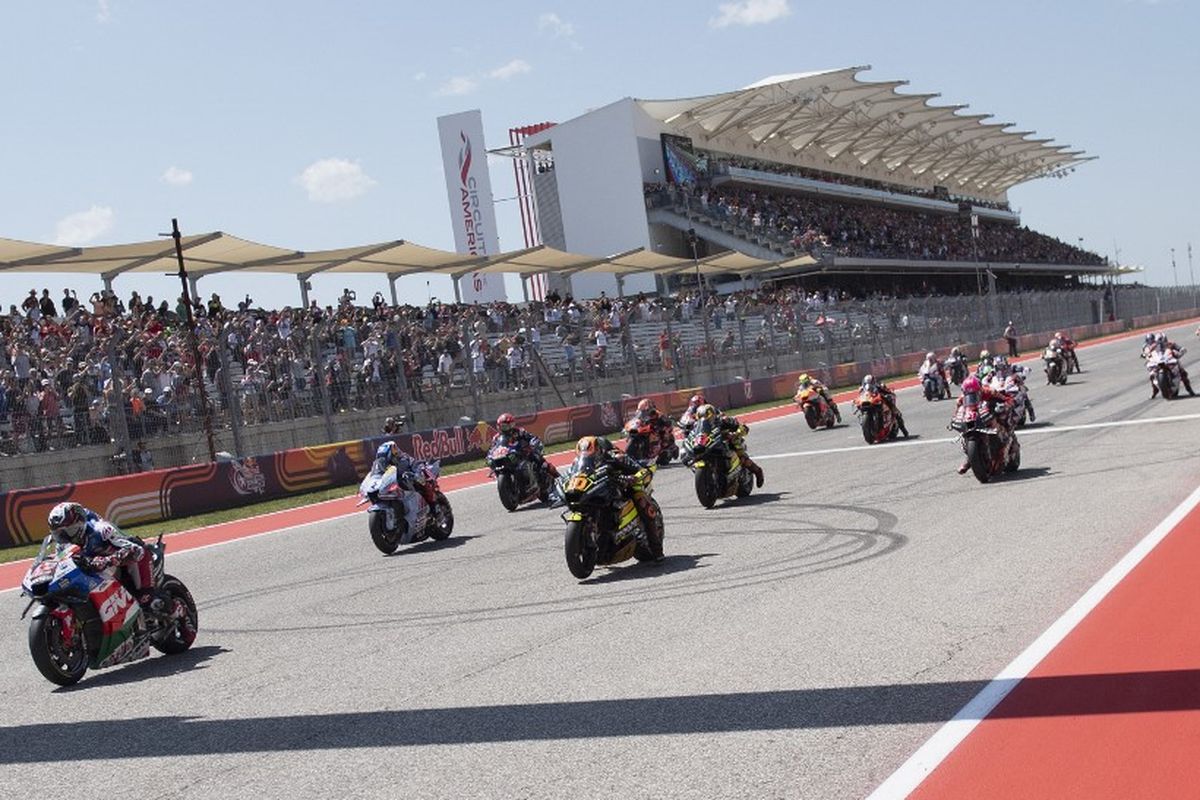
469	191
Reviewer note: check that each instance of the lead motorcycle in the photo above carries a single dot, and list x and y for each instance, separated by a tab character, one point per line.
1056	365
89	620
987	449
879	422
716	467
385	516
603	525
817	412
646	441
520	479
1163	367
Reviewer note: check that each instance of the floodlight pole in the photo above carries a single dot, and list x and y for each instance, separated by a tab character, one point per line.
712	367
1191	275
197	364
1174	271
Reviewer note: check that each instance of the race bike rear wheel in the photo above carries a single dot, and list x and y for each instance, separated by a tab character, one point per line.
506	487
386	541
59	666
581	557
706	489
182	632
441	521
979	458
745	483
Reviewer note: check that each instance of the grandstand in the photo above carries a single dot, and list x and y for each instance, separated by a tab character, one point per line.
868	180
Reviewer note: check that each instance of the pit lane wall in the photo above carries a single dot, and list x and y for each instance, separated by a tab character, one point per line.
185	491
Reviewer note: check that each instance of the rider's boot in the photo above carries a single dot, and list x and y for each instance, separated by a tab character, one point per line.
1153	389
836	414
755	469
900	423
1187	384
963	467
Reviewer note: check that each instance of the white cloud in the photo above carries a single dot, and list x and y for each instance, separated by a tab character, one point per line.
555	25
177	176
458	85
513	68
103	11
749	12
333	180
84	226
420	76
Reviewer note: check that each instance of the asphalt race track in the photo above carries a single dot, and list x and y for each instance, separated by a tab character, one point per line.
801	643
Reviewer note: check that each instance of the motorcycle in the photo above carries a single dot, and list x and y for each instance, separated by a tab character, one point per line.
89	620
979	434
879	422
1164	372
1057	366
716	467
385	517
645	441
956	368
817	412
519	479
934	387
603	524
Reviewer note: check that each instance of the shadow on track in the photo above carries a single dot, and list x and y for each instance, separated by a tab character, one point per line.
632	570
794	709
1025	473
431	545
157	666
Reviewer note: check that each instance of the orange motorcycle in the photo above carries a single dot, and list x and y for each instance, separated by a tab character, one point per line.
879	422
818	413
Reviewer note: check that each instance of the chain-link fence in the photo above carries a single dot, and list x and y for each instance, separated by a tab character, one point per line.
290	379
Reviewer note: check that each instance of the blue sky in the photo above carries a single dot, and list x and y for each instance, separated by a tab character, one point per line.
312	124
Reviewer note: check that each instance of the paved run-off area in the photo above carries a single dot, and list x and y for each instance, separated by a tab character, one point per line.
802	643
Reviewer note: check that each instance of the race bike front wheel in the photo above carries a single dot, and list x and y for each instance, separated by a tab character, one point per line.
387	541
58	662
870	426
185	619
581	557
706	489
506	487
811	416
979	458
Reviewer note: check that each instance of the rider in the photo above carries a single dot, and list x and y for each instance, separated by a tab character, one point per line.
1068	348
1147	345
932	366
389	454
101	545
524	442
688	418
956	355
647	507
1010	379
648	412
889	398
1001	403
1167	347
735	435
985	361
806	381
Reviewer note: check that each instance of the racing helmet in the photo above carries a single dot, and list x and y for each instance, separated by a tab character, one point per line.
68	523
588	446
1058	334
931	356
697	400
954	351
389	450
803	380
984	355
1160	338
646	407
868	381
1149	338
506	423
706	412
971	385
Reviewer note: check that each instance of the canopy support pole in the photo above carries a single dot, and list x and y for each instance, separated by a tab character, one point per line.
392	286
193	280
524	289
303	278
457	290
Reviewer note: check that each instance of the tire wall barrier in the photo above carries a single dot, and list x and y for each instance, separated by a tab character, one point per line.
184	491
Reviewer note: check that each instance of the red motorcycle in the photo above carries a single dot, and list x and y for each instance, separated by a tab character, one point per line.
879	422
988	450
817	412
649	440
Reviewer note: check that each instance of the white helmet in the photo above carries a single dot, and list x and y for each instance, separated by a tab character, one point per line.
930	356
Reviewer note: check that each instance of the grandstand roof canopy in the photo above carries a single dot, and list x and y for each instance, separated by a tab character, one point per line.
850	121
209	253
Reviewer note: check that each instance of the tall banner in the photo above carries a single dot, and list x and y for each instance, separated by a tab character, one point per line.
469	190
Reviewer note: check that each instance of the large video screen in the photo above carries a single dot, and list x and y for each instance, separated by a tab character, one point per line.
679	157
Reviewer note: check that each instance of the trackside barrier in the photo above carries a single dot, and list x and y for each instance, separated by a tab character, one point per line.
185	491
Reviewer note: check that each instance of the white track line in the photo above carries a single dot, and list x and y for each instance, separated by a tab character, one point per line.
943	440
912	772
